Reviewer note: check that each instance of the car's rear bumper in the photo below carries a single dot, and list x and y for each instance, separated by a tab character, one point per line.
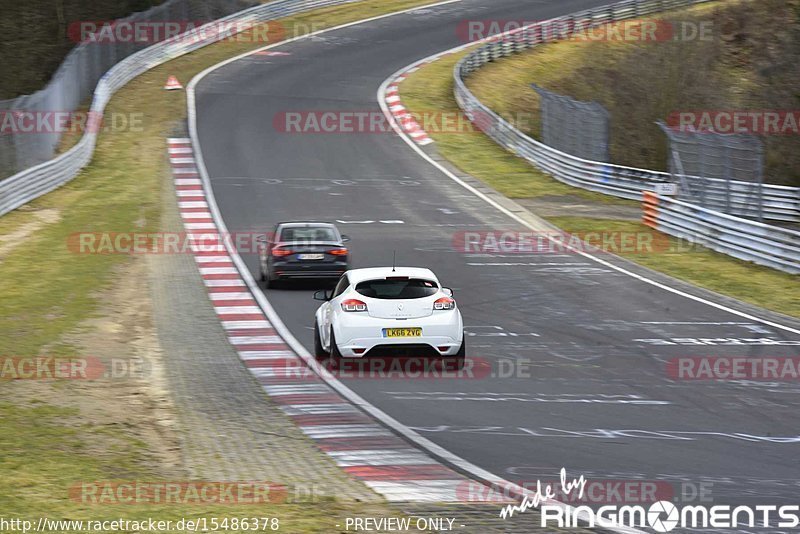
363	347
443	332
308	270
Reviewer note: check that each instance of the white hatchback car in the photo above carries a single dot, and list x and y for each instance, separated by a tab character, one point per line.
388	311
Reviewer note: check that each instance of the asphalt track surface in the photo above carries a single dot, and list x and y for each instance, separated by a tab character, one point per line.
588	345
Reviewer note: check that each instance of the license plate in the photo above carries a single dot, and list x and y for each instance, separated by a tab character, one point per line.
402	332
310	256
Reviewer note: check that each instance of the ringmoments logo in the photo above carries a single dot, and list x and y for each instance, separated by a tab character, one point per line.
661	516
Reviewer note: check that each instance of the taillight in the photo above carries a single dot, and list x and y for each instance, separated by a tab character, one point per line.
354	305
277	251
338	251
444	303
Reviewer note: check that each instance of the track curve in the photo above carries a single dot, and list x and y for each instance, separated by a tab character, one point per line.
587	345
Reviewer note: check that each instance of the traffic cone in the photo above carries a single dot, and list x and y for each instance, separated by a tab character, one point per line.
172	84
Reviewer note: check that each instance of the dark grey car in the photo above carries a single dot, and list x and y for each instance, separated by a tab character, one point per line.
304	250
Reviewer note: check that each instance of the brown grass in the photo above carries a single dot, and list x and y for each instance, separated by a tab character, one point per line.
749	63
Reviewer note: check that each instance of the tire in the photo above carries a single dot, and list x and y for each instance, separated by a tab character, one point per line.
462	351
335	357
272	283
319	352
457	361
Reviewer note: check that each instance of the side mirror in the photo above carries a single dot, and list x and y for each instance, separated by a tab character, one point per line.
322	295
447	291
345	238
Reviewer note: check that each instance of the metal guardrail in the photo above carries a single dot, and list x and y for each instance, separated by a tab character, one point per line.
31	183
780	203
747	240
100	47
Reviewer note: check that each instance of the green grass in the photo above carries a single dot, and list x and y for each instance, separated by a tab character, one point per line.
45	455
431	89
555	67
49	292
703	267
741	67
545	66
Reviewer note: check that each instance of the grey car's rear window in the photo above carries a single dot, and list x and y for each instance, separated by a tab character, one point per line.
401	288
308	233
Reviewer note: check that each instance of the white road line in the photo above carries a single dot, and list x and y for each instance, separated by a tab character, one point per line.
212	259
193	204
231	296
189	193
696	323
223	283
297	389
381	457
196	215
527	263
219	270
206	247
234	310
344	431
292	370
409	434
242	325
527	224
319	409
201	236
422	490
266	354
254	340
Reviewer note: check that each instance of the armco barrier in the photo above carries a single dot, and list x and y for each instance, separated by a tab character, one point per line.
73	83
36	181
780	203
760	243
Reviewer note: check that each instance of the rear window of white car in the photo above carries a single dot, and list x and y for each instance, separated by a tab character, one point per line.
397	288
